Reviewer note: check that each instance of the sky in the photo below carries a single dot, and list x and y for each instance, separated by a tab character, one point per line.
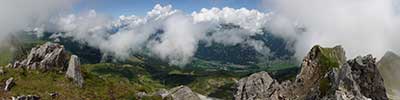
141	7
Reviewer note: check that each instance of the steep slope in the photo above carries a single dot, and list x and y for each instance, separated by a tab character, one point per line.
389	67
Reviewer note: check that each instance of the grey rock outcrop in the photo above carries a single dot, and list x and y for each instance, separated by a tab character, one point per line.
182	93
325	75
256	86
17	64
177	93
49	56
74	71
9	84
367	76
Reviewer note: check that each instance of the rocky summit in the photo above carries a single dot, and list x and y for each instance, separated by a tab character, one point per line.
325	75
48	56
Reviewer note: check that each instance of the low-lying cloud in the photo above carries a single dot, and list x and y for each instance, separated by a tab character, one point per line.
167	33
360	26
19	15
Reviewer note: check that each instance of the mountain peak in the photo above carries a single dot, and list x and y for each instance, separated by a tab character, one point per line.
325	74
390	55
388	68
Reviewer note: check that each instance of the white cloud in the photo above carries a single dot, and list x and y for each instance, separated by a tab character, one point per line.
18	15
251	20
181	32
361	26
368	26
180	40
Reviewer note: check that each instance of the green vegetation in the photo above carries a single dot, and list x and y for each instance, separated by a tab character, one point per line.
139	73
215	86
133	74
17	50
96	87
329	59
5	56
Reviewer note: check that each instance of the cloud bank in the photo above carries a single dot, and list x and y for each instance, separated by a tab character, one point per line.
18	15
361	26
167	33
367	26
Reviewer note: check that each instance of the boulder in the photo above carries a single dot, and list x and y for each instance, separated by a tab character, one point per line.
257	86
9	84
140	95
182	93
74	70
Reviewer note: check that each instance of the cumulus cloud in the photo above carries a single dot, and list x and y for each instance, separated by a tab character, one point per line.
167	33
251	20
368	26
179	42
361	26
18	15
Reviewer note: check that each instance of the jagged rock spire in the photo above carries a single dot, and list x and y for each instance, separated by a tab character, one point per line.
324	75
74	70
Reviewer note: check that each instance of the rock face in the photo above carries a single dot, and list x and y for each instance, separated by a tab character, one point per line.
9	84
389	67
74	70
367	76
182	93
325	75
256	86
48	56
